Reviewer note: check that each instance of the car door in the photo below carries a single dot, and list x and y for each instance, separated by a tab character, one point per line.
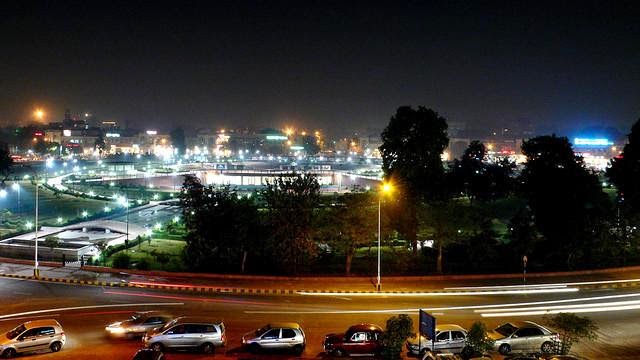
535	338
443	341
287	338
373	342
519	340
193	335
270	339
174	337
27	341
458	339
357	344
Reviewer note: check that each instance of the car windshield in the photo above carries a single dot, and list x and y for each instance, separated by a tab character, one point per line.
263	330
15	332
506	329
168	325
137	318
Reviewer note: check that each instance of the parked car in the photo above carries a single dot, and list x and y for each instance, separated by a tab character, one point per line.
276	336
183	332
138	324
525	336
358	339
450	338
148	354
33	336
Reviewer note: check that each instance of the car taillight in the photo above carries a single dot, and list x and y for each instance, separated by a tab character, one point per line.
62	333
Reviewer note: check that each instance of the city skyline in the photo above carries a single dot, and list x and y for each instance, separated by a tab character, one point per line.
347	65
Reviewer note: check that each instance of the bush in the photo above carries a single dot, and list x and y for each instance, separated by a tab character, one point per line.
477	340
399	329
571	328
143	264
121	261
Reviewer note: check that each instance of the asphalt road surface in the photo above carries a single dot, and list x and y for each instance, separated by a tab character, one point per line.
616	312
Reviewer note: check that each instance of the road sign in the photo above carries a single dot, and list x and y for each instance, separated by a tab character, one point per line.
427	327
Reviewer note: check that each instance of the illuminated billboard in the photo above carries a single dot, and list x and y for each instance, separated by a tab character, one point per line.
592	142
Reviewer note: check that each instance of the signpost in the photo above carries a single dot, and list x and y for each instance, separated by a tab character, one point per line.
427	327
524	270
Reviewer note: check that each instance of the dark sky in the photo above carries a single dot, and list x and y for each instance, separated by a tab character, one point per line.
322	64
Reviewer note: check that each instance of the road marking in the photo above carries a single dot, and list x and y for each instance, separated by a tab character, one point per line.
602	282
468	307
563	310
577	306
187	298
447	293
87	307
31	317
21	293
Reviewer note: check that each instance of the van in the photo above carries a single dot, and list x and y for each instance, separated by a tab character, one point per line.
184	332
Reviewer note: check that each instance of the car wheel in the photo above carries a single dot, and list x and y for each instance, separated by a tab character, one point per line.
297	350
208	348
9	353
157	347
547	347
56	346
254	348
504	349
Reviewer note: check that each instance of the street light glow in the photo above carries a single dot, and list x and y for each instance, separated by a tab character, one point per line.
28	225
59	220
15	186
85	213
387	188
38	114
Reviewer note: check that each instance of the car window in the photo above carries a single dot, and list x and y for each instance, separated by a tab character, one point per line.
288	333
372	336
359	337
506	329
15	332
272	334
46	331
443	336
30	333
210	329
528	332
178	329
457	335
153	320
194	328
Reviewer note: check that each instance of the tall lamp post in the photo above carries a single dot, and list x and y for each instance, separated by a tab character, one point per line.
386	188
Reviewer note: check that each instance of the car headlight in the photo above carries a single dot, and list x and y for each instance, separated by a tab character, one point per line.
115	329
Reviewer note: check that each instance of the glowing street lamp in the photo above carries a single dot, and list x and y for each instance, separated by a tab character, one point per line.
39	114
386	188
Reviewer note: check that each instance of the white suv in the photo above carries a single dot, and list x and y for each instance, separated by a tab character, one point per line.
32	336
184	333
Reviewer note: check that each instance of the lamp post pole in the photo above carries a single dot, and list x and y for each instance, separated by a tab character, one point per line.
378	285
36	271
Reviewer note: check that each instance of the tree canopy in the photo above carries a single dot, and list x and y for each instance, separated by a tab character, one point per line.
624	172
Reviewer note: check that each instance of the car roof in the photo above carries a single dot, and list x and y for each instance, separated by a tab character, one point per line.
450	327
291	325
364	327
44	322
195	320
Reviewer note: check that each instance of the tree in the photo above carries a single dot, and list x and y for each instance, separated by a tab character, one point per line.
178	141
100	144
477	341
220	226
310	144
624	172
572	329
443	219
291	201
566	200
350	224
122	260
51	242
522	235
5	163
412	146
399	329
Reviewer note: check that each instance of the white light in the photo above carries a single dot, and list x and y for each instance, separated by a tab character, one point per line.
85	213
148	233
49	162
112	184
75	161
28	225
157	226
64	164
76	168
26	177
59	220
3	193
139	201
152	132
151	186
122	201
176	219
15	186
99	162
107	209
156	196
367	187
91	193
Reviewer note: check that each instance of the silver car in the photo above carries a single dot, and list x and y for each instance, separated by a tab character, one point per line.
524	336
184	333
450	338
33	336
276	336
138	324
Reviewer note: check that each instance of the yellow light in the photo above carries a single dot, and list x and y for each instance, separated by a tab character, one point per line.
289	131
304	133
386	188
38	114
490	146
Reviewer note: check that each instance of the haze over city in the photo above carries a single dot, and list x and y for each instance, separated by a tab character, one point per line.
334	65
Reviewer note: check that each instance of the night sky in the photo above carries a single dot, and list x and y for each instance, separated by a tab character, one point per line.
322	64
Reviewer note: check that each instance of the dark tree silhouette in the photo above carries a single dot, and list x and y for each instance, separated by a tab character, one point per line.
624	172
178	141
412	146
5	163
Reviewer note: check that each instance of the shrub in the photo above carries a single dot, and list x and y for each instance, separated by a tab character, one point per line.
399	329
571	328
121	261
477	340
143	264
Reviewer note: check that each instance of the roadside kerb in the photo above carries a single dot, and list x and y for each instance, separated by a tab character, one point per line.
261	291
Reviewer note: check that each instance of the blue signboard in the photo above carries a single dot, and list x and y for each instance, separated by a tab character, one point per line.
427	325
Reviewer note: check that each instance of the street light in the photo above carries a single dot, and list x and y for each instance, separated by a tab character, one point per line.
386	188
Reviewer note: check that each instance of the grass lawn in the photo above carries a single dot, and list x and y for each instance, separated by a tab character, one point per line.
145	250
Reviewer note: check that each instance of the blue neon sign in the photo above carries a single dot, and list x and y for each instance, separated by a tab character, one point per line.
592	142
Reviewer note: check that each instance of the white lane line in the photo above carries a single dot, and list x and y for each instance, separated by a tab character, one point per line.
578	306
465	293
467	307
31	317
556	311
87	307
580	283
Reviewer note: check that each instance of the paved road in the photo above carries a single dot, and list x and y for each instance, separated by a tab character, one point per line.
620	335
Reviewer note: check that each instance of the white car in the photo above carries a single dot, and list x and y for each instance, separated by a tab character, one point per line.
32	336
450	338
524	336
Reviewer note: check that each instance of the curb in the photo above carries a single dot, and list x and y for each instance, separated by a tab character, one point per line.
258	291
